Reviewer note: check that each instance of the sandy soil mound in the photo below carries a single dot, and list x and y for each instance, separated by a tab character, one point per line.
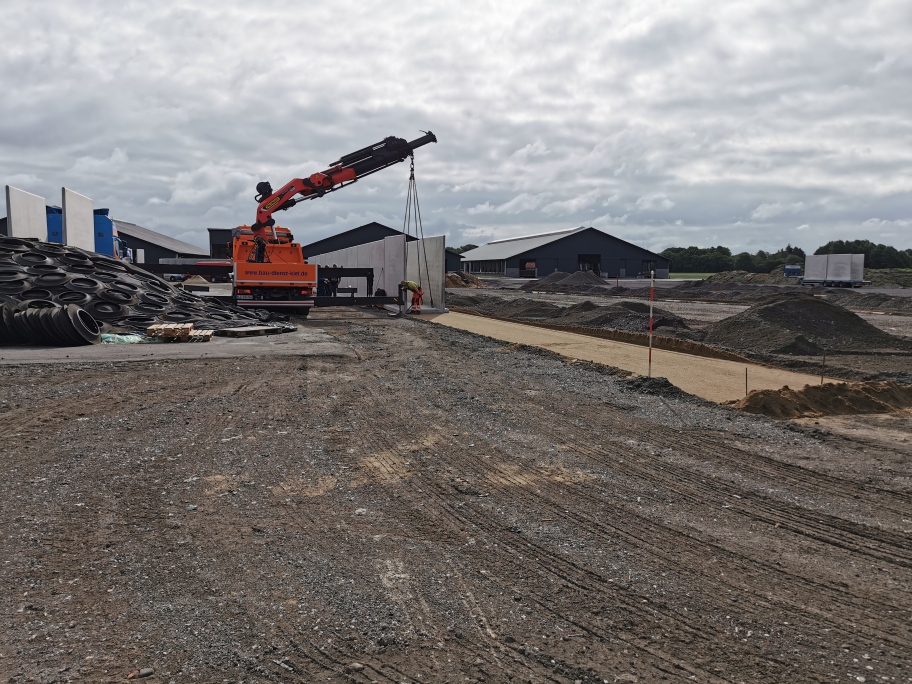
580	282
546	282
626	316
800	324
829	400
462	279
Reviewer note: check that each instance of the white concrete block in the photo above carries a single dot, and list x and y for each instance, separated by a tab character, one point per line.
26	214
393	263
78	220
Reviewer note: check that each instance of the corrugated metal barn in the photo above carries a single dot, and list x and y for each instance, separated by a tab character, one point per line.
156	245
576	249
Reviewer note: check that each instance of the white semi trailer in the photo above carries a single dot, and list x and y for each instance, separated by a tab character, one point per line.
834	270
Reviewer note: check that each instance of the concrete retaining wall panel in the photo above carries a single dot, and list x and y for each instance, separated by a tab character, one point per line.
839	267
26	215
78	220
858	267
425	261
393	263
815	267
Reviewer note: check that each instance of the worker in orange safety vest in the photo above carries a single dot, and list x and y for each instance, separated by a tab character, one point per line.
417	294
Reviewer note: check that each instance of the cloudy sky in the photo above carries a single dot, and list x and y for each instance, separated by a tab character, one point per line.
747	124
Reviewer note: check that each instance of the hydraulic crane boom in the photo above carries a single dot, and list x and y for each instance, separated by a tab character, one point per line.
346	170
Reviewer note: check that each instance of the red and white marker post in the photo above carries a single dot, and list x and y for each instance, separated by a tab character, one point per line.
652	285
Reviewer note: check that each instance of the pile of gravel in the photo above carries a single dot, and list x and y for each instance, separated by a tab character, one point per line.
121	297
579	282
626	316
800	324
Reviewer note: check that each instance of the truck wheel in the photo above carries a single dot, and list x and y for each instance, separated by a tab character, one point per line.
304	311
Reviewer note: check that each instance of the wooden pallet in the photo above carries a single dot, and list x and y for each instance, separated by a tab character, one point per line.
249	331
170	330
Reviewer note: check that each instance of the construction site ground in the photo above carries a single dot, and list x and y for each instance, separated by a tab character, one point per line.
416	503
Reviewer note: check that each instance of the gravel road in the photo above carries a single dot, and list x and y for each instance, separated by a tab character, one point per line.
436	506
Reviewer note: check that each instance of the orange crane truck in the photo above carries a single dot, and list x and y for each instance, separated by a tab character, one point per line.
269	267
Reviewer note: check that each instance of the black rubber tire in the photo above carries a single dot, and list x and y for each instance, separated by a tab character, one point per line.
37	304
84	324
153	298
29	319
65	297
50	248
116	296
105	276
8	334
31	258
54	337
81	269
60	318
39	269
106	311
110	265
160	286
35	293
15	287
124	285
180	317
47	280
82	283
138	322
14	244
75	259
12	272
151	309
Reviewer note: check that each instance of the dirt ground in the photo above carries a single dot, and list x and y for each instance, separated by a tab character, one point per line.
434	506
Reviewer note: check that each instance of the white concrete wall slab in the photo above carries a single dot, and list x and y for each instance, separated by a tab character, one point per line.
375	261
425	264
393	263
26	214
78	220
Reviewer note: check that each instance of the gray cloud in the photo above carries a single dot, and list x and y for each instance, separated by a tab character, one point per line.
746	124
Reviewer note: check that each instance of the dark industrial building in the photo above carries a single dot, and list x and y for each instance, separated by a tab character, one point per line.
577	249
155	245
220	239
453	261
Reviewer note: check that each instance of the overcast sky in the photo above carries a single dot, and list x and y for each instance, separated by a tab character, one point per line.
747	124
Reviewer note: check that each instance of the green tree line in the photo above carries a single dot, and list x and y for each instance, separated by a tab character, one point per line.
716	259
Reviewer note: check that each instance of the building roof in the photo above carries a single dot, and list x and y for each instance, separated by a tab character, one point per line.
511	247
350	235
164	241
504	249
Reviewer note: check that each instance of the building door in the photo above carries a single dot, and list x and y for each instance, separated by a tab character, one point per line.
648	267
528	268
590	262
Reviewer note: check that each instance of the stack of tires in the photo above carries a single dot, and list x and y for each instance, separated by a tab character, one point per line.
38	277
59	326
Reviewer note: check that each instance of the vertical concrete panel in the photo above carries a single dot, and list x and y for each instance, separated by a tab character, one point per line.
393	263
78	221
364	261
425	262
376	262
26	214
139	256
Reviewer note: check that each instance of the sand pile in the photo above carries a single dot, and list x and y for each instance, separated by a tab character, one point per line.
802	325
462	279
829	400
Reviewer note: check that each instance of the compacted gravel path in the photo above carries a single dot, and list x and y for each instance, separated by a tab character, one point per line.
433	506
